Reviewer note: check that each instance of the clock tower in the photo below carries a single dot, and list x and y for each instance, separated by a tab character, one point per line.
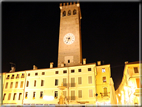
70	48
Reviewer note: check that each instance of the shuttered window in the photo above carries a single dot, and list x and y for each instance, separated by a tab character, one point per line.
21	86
105	91
42	82
11	85
20	96
64	93
138	82
9	96
6	85
72	95
64	81
14	96
27	83
4	96
16	85
79	80
34	83
90	93
136	70
72	82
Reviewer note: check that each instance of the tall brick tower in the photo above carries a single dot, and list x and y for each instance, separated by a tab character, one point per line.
70	48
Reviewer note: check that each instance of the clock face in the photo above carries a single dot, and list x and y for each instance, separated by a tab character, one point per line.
69	38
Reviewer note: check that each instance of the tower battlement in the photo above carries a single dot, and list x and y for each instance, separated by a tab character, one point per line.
68	4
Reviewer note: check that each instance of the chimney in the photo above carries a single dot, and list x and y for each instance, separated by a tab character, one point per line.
51	64
84	60
12	69
62	64
126	62
99	62
34	67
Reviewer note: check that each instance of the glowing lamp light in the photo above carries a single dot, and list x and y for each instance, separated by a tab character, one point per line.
119	94
48	98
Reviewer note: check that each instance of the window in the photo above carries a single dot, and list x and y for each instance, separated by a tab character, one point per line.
56	72
74	11
103	69
20	96
12	77
56	94
105	91
69	12
26	95
64	93
34	83
68	61
104	79
72	71
11	85
9	96
22	75
72	95
64	13
41	94
14	96
21	86
79	70
56	82
36	74
8	76
79	93
90	93
79	80
90	79
64	81
17	76
6	85
136	70
34	95
43	73
42	82
27	84
4	96
138	82
28	74
16	85
65	71
89	69
72	82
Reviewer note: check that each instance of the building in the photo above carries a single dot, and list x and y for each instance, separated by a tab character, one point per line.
129	91
72	82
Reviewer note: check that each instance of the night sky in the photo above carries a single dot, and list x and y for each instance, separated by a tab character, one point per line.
30	33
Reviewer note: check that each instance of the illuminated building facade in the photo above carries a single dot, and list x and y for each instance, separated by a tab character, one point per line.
129	91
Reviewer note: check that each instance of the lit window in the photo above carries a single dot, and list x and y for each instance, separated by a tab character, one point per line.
138	82
136	70
64	13
64	93
17	76
4	96
104	79
65	71
9	96
79	93
34	83
14	96
56	72
72	71
27	84
56	94
69	12
74	11
41	94
90	93
22	75
11	85
72	95
103	69
36	74
16	85
79	70
79	80
43	73
42	82
89	69
56	82
21	86
90	79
